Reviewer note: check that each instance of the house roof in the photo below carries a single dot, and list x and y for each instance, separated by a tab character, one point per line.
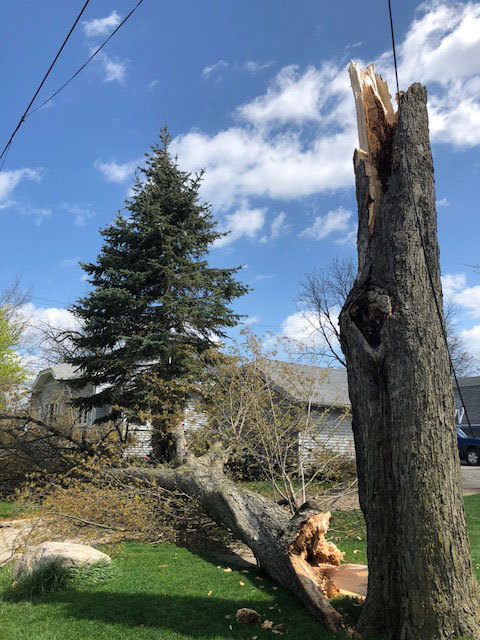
58	372
321	386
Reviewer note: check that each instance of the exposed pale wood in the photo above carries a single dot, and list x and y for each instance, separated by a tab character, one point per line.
349	579
286	548
376	121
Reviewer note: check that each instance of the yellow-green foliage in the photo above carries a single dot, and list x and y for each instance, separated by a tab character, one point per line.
12	371
93	502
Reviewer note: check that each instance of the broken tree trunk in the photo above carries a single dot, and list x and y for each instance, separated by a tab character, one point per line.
288	549
420	585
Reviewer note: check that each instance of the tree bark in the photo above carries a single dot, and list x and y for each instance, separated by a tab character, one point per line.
421	584
289	550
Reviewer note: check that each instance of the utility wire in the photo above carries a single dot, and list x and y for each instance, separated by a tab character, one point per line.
67	82
22	119
393	46
423	245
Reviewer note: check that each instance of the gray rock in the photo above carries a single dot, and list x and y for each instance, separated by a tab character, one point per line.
66	554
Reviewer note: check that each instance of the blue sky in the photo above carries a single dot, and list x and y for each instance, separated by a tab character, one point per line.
255	92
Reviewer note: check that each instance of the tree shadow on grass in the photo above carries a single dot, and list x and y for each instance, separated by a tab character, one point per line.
193	616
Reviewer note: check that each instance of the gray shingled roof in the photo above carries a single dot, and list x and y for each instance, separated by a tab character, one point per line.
320	385
58	372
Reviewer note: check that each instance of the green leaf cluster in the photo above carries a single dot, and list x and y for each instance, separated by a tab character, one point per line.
12	372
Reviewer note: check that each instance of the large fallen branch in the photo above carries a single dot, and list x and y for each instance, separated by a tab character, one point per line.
289	550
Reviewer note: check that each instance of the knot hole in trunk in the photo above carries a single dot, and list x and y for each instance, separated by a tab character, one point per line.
369	312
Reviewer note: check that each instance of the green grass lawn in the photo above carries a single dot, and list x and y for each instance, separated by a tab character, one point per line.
167	593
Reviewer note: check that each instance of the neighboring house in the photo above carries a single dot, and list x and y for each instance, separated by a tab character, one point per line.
51	393
470	390
323	392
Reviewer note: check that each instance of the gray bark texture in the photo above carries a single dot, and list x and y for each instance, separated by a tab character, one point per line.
287	549
421	584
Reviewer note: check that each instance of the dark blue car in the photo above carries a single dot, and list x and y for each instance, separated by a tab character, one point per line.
468	448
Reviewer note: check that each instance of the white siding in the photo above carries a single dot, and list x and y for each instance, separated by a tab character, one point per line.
333	433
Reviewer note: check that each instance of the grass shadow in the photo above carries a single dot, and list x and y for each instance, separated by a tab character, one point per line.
196	617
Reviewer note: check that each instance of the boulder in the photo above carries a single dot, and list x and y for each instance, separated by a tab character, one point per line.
66	554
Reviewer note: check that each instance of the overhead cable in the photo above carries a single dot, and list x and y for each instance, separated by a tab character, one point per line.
55	93
22	119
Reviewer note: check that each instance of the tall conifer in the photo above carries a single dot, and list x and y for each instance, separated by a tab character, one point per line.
156	305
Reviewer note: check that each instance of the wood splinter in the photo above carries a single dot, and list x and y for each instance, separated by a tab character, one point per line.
319	560
376	121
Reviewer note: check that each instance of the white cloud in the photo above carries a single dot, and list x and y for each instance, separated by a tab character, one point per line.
278	228
37	213
241	162
115	172
443	202
254	67
101	26
244	222
35	342
265	276
471	337
297	138
452	283
152	84
454	287
291	97
114	70
349	239
214	68
251	320
332	222
470	299
57	317
81	213
442	49
10	179
301	327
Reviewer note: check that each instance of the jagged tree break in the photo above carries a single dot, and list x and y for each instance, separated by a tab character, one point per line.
421	583
291	550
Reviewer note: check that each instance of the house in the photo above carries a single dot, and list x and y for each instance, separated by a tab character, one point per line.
470	392
323	392
50	395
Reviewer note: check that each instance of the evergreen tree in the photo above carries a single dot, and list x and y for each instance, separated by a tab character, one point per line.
156	305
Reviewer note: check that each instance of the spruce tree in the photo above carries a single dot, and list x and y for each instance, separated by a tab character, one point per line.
156	306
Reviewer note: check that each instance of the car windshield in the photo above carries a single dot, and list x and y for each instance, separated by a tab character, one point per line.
461	433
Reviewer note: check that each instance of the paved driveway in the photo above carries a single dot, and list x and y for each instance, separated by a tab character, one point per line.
470	480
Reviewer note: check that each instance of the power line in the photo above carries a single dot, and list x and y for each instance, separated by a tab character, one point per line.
393	46
55	93
22	119
422	243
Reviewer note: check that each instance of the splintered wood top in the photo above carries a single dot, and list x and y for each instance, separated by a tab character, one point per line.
350	579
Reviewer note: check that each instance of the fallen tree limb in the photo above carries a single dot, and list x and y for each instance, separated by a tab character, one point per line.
288	549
